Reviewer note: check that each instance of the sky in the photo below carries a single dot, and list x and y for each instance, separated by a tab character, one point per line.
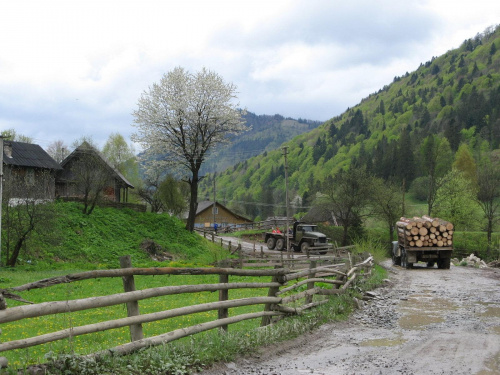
74	68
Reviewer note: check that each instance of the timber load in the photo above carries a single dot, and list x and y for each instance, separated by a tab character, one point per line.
425	232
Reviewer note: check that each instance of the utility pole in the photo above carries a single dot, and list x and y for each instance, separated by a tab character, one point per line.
214	201
285	153
1	194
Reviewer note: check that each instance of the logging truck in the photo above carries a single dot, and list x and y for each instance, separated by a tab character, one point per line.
423	239
303	237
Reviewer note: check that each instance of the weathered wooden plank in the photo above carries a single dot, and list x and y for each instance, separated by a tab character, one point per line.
153	271
56	307
140	319
179	333
317	280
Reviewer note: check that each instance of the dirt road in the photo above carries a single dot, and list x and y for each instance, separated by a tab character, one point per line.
424	321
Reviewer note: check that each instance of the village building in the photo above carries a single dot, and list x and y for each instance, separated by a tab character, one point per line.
85	167
29	172
223	216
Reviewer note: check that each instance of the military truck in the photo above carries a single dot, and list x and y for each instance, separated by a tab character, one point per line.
423	240
303	237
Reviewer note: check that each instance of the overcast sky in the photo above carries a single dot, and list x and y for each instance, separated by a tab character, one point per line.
73	68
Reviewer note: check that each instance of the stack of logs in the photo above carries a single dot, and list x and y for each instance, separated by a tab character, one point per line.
425	232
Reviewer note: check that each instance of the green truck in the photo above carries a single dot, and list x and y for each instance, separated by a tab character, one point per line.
303	237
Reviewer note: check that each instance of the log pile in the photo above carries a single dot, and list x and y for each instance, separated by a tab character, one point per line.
425	232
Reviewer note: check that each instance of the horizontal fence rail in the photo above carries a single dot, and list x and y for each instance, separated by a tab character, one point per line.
321	277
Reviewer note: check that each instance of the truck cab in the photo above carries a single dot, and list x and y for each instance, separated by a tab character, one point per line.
302	237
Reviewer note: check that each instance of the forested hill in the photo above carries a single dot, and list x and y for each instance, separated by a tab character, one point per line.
448	100
266	133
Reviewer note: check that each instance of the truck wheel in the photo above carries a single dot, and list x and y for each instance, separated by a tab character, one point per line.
396	260
271	243
280	244
447	262
304	247
444	264
404	262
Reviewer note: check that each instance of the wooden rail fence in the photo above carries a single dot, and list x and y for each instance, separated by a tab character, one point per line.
281	299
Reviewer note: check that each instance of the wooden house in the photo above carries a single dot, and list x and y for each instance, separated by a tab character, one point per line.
223	216
29	172
86	165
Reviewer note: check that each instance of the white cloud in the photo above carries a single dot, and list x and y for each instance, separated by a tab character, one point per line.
73	68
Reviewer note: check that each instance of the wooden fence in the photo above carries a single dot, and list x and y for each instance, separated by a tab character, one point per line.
282	298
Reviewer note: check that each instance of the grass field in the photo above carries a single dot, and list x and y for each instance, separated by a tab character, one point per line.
86	344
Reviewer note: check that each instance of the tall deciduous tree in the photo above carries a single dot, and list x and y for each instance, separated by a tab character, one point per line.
465	163
12	135
118	152
90	175
436	160
488	194
456	201
58	150
183	118
171	194
25	216
347	194
149	191
387	202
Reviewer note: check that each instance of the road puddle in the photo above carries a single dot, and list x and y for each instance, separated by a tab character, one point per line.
421	310
492	365
491	312
384	342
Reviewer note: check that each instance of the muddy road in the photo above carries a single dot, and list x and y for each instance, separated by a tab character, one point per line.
423	321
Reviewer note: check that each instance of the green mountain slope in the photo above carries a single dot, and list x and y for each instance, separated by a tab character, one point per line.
456	95
266	133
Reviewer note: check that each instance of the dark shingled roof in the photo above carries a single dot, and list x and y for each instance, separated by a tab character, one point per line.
86	147
28	155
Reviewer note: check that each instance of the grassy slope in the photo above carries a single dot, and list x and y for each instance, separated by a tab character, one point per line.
105	235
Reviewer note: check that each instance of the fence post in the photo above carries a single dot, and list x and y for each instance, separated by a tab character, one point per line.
229	246
240	255
310	285
266	320
133	306
262	251
223	296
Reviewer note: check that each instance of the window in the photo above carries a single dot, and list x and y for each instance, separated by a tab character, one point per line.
216	210
30	177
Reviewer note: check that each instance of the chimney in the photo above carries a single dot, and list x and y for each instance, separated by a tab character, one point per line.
7	149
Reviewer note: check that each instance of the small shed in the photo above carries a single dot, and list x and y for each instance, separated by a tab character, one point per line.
29	171
223	216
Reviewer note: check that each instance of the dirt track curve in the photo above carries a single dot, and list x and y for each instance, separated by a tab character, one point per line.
424	321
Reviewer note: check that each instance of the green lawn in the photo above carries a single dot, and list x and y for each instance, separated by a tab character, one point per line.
99	287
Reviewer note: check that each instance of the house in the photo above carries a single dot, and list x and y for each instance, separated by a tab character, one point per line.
223	216
86	168
29	172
